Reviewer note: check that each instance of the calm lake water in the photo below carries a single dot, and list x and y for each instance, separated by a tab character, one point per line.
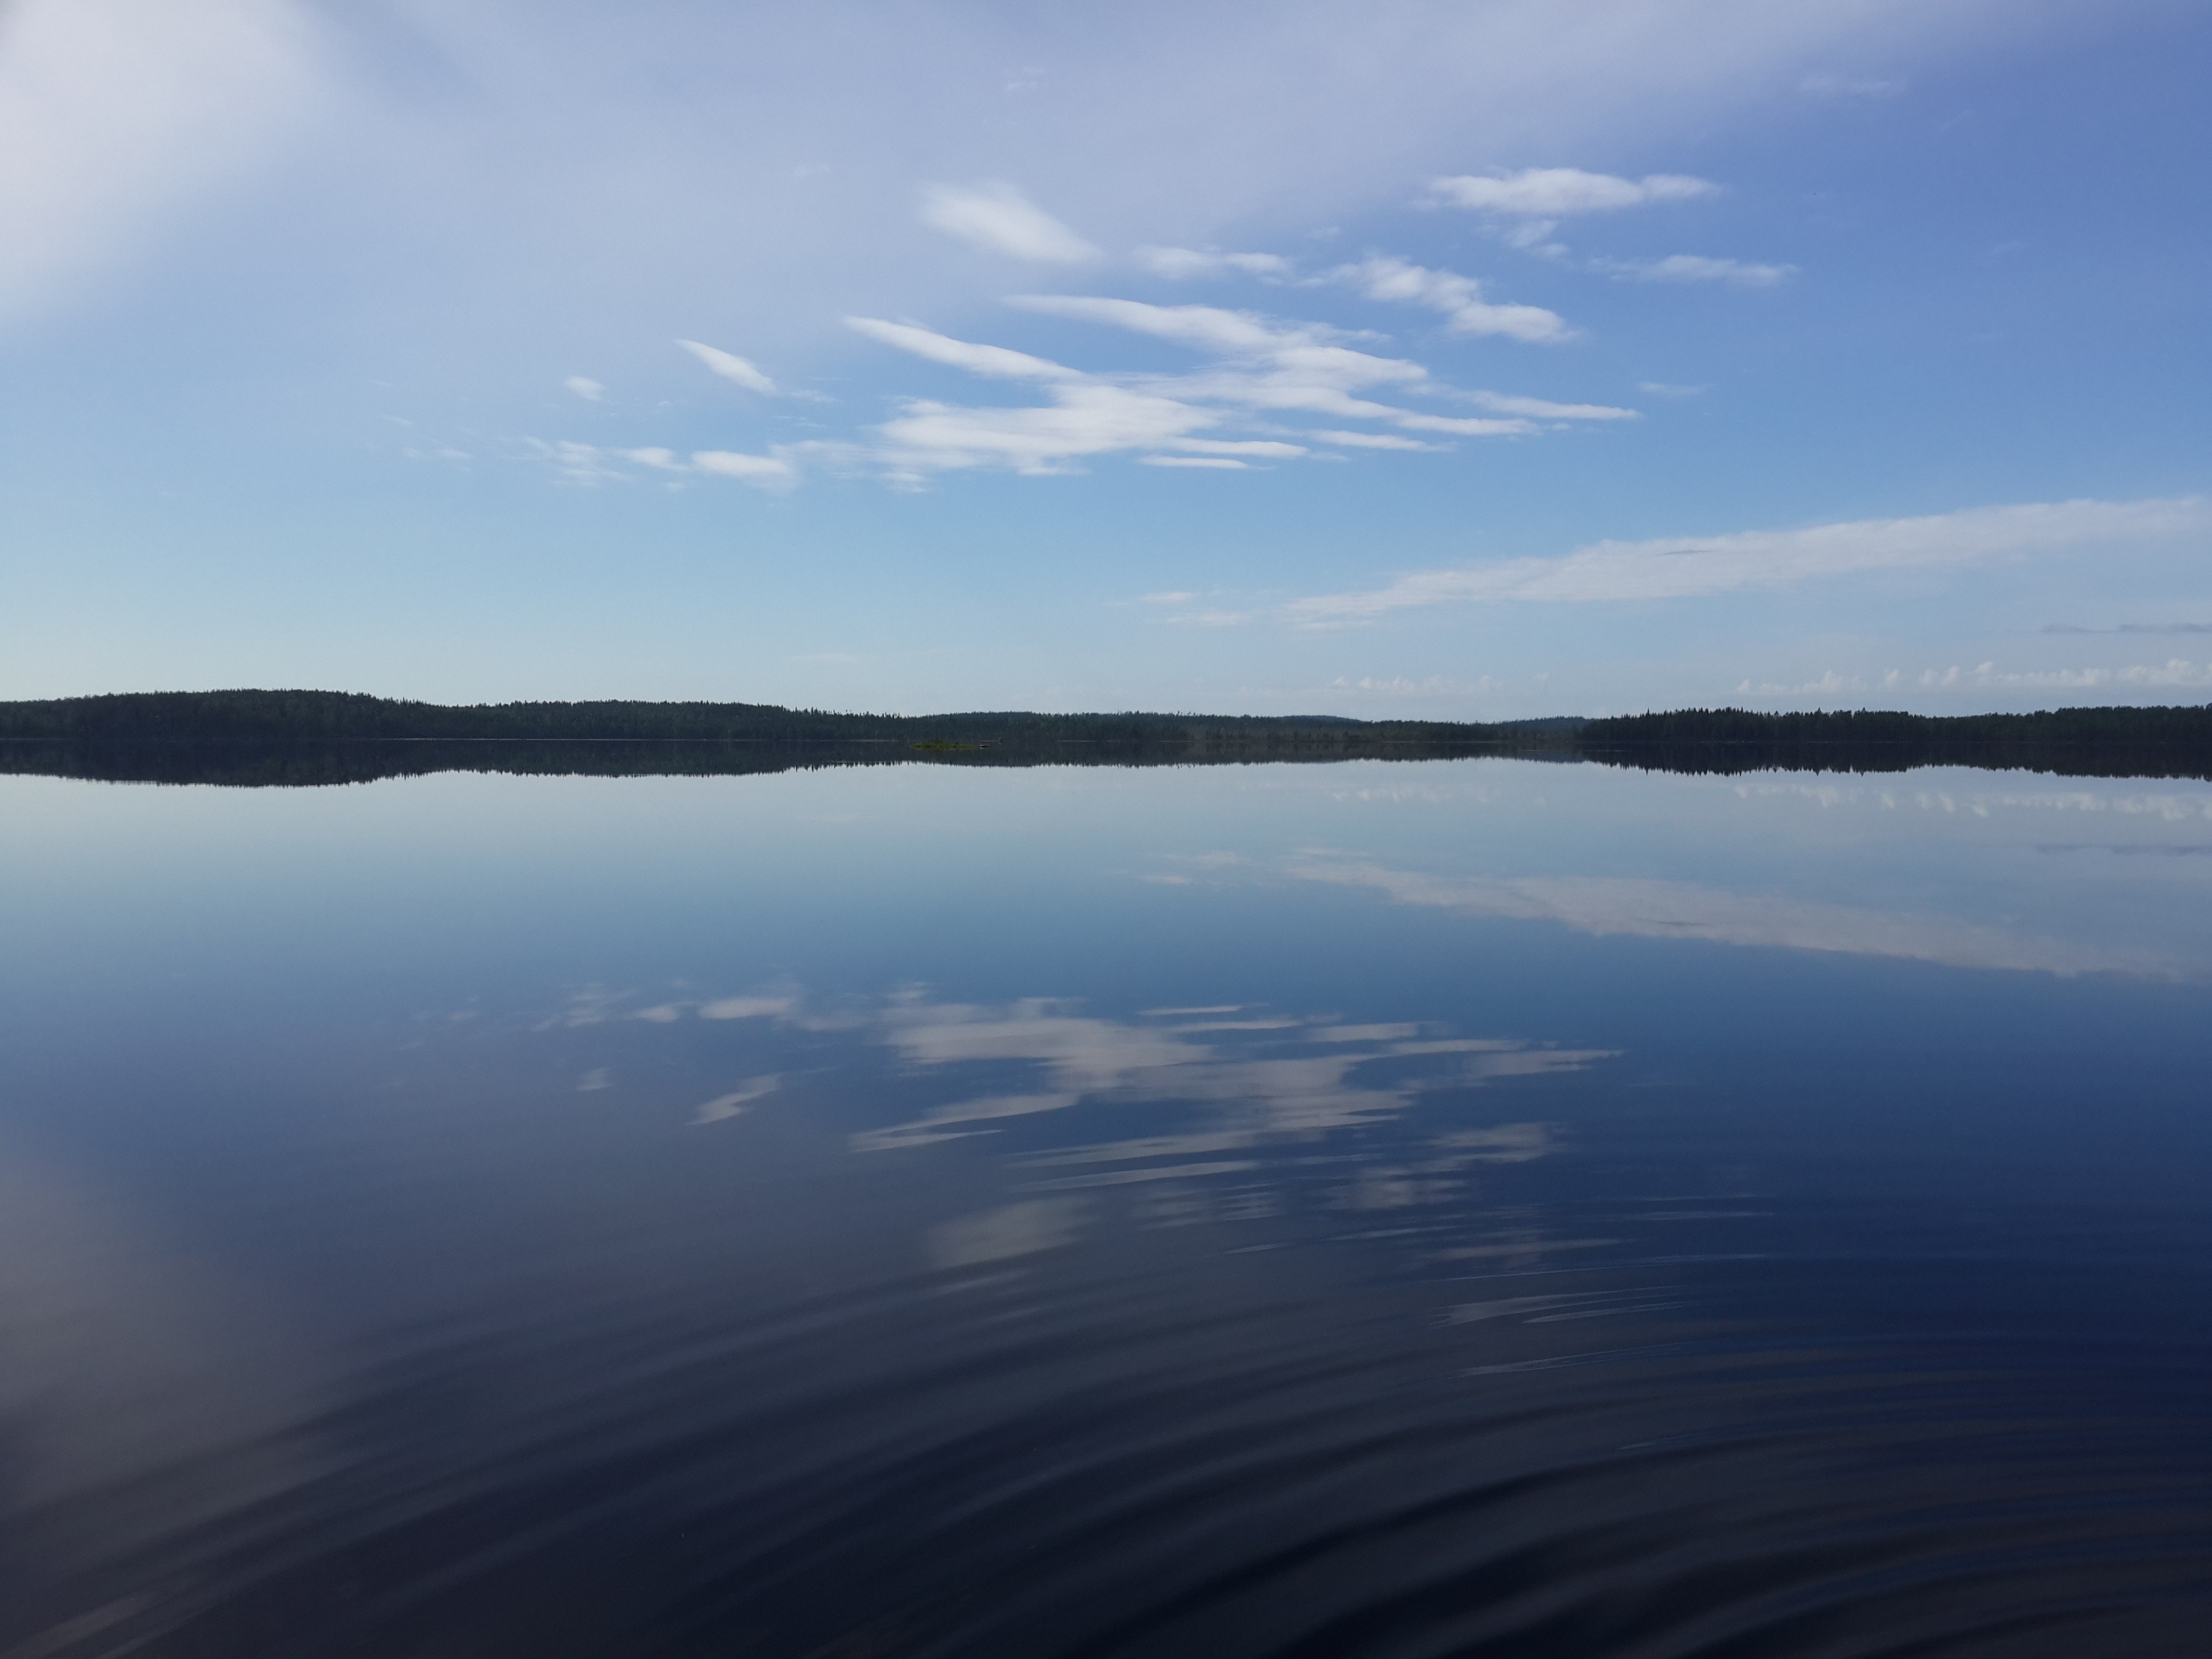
1478	1207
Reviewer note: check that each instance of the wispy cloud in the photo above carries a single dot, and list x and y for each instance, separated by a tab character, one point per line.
1180	264
584	388
996	216
1260	370
1563	192
2132	628
737	370
1459	298
1681	567
590	464
2175	673
1370	439
1697	268
995	362
770	472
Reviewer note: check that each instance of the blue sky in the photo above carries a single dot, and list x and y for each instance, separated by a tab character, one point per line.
1466	360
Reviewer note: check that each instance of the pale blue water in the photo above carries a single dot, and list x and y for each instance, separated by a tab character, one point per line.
1476	1207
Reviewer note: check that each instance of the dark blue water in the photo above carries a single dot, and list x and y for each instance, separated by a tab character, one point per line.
1474	1208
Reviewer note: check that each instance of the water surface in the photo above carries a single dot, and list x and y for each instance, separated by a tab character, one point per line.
1475	1206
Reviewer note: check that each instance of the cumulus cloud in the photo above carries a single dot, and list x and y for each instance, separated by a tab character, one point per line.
1695	268
1179	263
1680	566
732	368
1562	192
1459	298
998	218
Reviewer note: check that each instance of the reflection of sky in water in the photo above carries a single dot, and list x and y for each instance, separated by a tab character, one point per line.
1189	1209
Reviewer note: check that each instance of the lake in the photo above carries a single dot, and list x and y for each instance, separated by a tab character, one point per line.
1479	1207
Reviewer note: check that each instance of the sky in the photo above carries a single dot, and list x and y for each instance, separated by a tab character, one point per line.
1487	360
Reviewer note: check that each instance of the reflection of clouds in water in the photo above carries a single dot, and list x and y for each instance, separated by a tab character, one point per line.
1028	1228
1606	905
598	1077
1258	1079
1436	1180
730	1105
1235	1066
754	1007
935	1124
2171	808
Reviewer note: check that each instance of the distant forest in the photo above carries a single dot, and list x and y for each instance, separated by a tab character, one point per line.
328	737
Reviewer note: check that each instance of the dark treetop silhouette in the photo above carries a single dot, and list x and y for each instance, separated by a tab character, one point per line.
253	736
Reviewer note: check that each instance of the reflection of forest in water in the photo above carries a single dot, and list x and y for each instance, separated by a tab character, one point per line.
365	760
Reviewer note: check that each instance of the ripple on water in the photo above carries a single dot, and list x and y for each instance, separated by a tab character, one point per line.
1643	1457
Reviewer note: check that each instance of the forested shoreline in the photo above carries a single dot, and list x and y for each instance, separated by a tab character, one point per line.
253	736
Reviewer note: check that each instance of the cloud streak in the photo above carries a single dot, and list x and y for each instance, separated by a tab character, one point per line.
1260	371
998	218
1563	192
1459	298
1695	268
1689	566
732	368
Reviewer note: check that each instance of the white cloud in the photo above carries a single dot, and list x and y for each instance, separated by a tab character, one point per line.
1370	441
1269	448
2175	673
115	115
998	218
731	367
589	389
996	361
1192	460
1207	327
1465	426
769	471
1180	264
1460	298
1542	410
1695	268
1679	566
1262	367
662	460
1085	419
1558	192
